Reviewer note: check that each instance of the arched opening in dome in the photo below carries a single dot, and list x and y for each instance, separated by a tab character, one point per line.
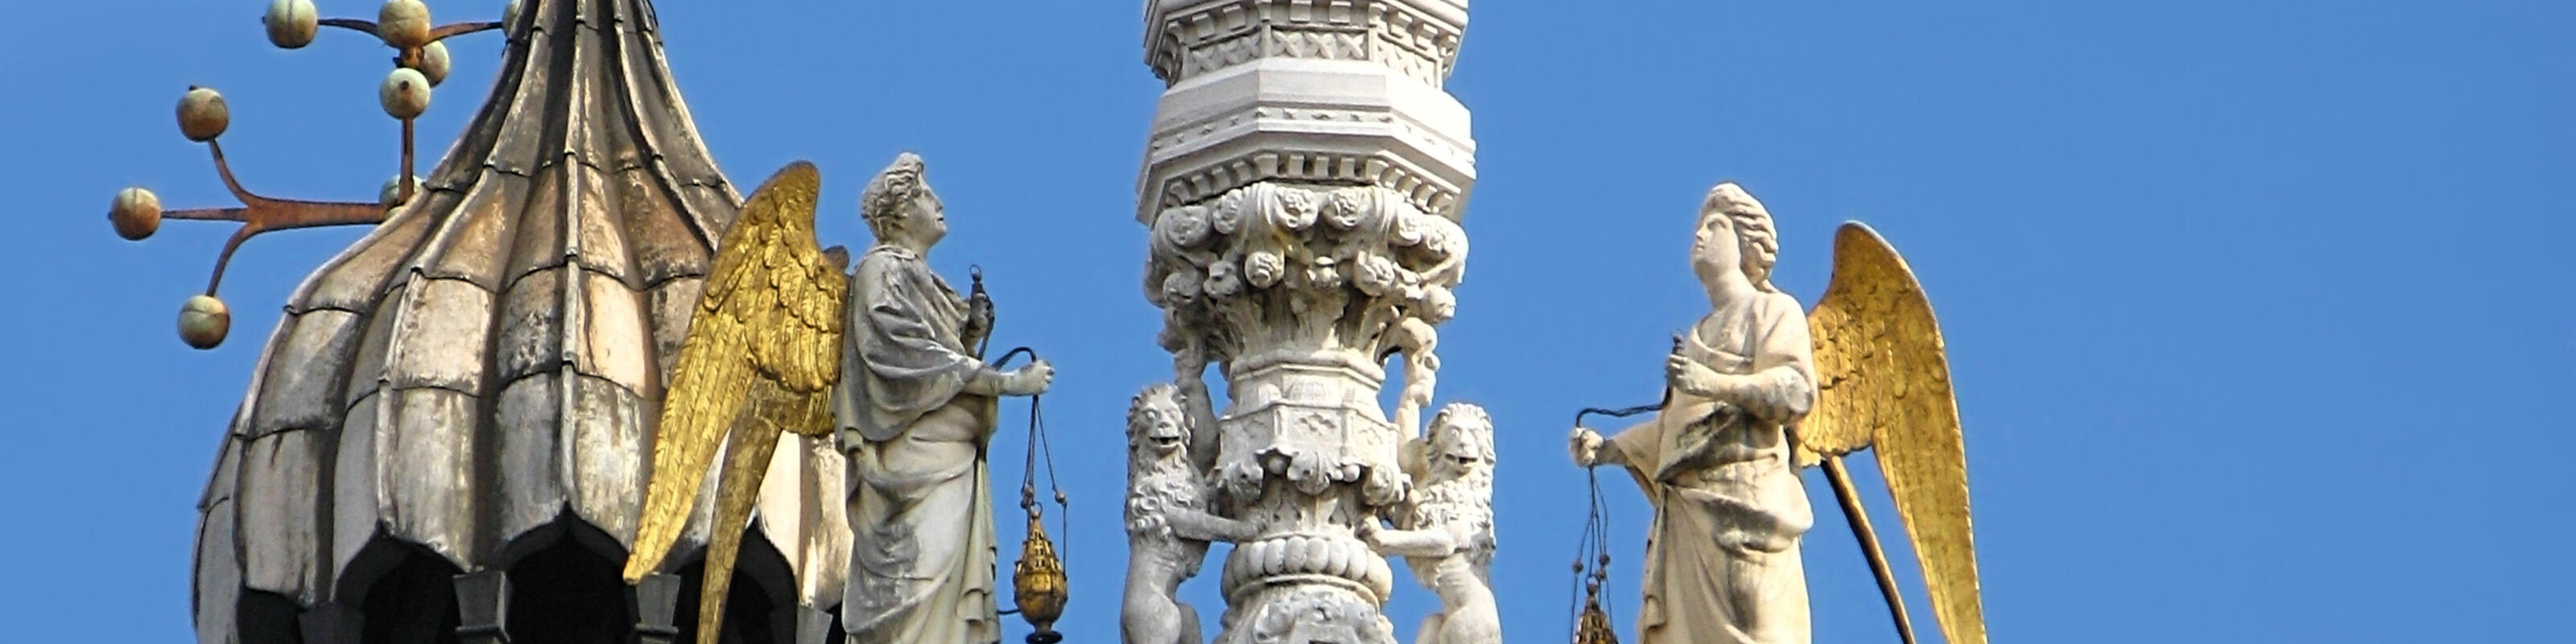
570	593
262	616
411	599
760	607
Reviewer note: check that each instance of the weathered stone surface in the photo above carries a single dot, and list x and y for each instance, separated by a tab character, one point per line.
1303	186
276	502
489	359
1334	93
310	371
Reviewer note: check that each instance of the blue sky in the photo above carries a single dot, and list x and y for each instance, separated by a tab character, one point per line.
2258	314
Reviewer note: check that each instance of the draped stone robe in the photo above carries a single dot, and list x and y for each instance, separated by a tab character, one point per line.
922	567
1722	562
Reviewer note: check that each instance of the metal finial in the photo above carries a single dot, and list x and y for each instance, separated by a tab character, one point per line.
203	116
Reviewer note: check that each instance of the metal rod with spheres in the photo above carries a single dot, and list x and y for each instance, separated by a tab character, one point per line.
420	63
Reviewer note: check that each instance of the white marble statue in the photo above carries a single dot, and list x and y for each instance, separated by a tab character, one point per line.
1168	522
1445	531
915	407
1722	563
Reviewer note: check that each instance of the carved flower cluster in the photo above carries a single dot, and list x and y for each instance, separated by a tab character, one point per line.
1317	614
1266	238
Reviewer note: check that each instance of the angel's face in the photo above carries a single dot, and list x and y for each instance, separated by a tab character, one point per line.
928	217
1716	252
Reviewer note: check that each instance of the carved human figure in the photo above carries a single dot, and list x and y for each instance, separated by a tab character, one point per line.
1722	561
915	408
1168	522
1445	530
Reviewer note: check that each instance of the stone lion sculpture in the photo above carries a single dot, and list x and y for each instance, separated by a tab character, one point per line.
1168	523
1445	530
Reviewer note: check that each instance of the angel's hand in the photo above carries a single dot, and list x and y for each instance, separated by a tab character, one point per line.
979	317
1030	380
1585	445
1690	377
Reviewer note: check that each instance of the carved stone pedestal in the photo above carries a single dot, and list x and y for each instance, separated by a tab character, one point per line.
483	607
812	625
657	607
332	623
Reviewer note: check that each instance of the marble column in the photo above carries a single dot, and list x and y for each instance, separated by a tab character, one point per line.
1303	188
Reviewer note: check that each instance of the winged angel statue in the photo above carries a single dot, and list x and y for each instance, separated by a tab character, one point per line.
1758	392
766	355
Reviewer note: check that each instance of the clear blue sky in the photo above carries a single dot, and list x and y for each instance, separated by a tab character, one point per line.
2258	311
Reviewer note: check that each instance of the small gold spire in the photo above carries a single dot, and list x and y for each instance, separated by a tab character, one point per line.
1037	581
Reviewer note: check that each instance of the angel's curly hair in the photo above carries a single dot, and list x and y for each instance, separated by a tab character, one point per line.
882	203
1758	243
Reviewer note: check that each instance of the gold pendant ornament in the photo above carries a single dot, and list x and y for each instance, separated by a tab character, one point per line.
1037	581
1594	626
1039	589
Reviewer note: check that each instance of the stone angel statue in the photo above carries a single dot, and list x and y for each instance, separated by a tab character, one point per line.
769	351
1757	391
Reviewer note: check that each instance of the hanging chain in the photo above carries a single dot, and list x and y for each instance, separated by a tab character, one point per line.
1038	583
1591	619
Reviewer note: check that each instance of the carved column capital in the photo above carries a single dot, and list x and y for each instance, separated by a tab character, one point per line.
1303	187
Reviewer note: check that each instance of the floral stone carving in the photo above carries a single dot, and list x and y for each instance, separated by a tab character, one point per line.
1300	293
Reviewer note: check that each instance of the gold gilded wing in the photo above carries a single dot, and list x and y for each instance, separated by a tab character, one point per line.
1883	380
761	357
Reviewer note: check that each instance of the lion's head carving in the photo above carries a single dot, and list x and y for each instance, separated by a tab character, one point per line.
1461	440
1157	428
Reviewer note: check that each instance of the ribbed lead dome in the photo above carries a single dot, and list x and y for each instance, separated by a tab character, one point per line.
479	376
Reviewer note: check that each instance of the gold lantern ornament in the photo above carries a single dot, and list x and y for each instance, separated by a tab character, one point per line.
1038	586
1037	581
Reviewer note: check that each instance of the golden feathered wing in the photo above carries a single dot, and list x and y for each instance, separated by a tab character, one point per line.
1883	381
761	357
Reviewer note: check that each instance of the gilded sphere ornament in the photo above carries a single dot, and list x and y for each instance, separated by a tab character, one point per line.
291	23
393	188
433	63
137	213
203	321
403	24
202	114
405	93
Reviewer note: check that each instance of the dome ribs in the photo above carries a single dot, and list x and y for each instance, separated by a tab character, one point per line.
487	363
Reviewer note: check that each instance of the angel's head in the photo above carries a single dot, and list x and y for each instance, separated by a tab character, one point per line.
1461	442
900	207
1735	240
